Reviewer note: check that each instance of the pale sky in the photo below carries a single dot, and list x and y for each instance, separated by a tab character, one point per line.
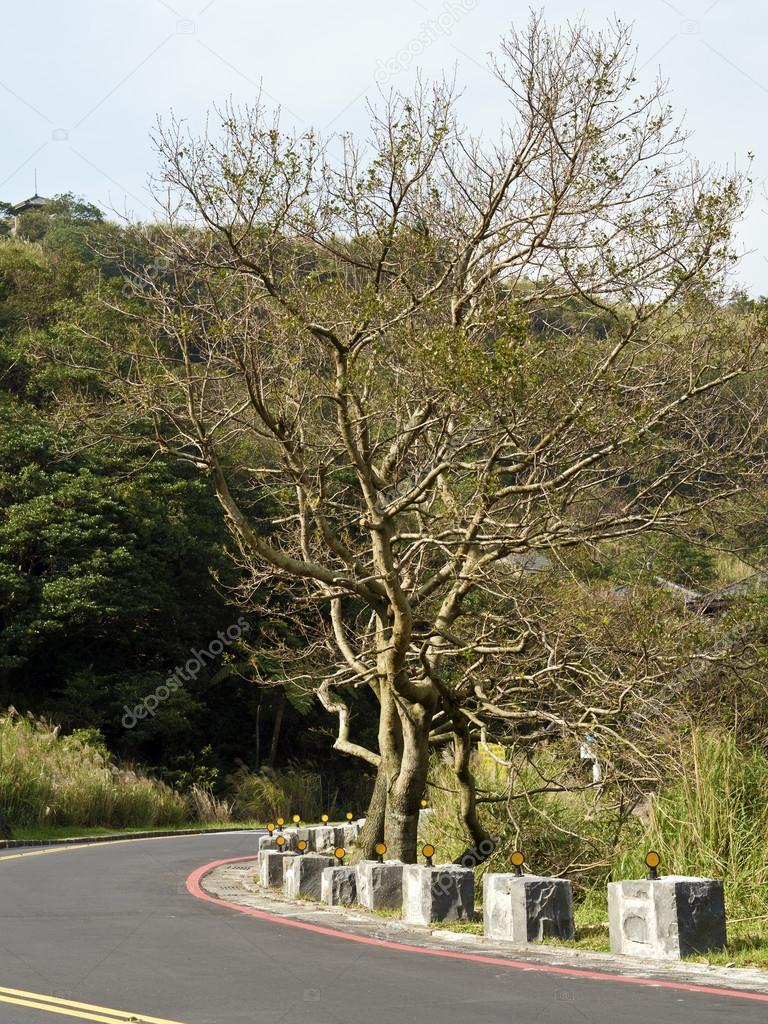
82	81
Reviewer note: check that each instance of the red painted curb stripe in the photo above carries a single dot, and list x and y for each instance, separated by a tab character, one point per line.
195	889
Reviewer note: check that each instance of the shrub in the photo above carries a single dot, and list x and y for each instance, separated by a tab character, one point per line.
204	806
266	795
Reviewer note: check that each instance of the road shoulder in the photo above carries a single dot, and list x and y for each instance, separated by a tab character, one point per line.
231	883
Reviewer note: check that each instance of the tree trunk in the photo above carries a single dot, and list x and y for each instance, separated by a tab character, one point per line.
483	842
276	731
406	788
372	831
258	734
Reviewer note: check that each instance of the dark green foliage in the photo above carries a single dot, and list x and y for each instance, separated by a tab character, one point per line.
108	554
113	560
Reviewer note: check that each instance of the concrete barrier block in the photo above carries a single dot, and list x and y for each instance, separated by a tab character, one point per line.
338	886
380	886
527	908
322	839
270	842
260	857
442	893
303	876
272	866
345	835
666	918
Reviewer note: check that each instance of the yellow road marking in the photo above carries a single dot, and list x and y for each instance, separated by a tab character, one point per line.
80	1014
70	1008
60	849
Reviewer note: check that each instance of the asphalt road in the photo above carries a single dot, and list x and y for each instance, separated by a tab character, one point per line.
113	926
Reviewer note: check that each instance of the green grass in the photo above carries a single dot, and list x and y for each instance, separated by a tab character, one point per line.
594	937
744	949
393	915
278	794
713	822
463	927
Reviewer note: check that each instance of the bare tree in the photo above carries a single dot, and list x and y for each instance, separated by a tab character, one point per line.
431	355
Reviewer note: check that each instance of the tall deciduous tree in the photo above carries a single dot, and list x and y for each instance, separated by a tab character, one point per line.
371	335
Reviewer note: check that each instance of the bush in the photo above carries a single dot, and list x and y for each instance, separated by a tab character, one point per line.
204	806
298	789
265	796
570	834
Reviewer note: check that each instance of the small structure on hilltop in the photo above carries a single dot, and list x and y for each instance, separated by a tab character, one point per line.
35	202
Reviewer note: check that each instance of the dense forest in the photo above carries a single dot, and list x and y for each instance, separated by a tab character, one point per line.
113	557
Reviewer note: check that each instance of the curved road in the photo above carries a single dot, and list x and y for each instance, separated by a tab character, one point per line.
112	926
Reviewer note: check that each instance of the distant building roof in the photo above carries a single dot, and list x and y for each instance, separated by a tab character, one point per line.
33	203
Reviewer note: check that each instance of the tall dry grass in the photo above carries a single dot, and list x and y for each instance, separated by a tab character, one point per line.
712	821
46	778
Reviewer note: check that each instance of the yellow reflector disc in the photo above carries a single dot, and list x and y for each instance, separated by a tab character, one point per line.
380	848
518	859
428	850
652	859
340	852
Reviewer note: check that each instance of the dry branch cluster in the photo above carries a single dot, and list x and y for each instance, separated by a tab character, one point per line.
412	364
